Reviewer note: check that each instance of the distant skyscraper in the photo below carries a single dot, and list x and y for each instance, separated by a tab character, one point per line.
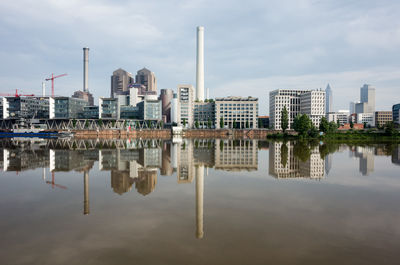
367	97
120	81
328	99
147	78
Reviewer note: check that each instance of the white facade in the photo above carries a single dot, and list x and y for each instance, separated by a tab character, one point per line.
236	112
186	105
200	65
341	115
5	105
174	109
310	102
369	118
52	107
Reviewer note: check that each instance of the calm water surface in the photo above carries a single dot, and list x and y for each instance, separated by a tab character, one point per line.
199	202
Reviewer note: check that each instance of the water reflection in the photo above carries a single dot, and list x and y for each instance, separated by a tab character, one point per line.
136	163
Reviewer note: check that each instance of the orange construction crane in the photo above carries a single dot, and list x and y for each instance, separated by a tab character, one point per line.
52	82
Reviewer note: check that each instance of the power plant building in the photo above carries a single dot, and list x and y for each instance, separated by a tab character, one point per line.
121	80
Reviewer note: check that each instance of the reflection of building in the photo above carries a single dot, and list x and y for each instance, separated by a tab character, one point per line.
146	182
236	155
284	164
121	181
396	155
366	155
185	170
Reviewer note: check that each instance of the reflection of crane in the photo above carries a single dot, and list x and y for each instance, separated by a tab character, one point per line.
52	82
53	184
16	94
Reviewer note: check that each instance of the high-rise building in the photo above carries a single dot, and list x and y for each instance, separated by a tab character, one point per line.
310	102
328	99
367	100
166	102
147	78
121	80
186	105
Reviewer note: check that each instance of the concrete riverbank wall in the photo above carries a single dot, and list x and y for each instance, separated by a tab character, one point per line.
166	134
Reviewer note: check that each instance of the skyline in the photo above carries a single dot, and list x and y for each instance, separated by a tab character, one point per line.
249	51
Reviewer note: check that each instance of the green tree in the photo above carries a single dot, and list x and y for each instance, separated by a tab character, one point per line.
351	124
234	124
323	125
313	132
73	123
221	122
389	128
260	125
302	124
196	124
338	123
86	123
247	124
100	122
284	119
209	123
184	122
332	127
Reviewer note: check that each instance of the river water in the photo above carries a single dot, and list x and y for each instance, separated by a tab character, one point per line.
199	202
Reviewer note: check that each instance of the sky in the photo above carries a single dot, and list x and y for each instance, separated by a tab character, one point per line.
251	47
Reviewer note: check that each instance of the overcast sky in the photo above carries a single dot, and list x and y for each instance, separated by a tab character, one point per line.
251	47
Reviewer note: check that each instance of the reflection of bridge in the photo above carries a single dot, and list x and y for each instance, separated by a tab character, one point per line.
85	144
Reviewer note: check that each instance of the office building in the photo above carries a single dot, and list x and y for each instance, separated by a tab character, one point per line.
383	117
204	114
236	112
150	108
166	102
341	115
328	99
186	105
25	107
366	118
121	80
147	78
310	102
109	108
353	106
91	112
396	113
66	108
367	100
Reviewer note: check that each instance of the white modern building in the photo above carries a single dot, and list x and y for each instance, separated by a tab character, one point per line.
310	102
185	105
236	112
368	118
341	115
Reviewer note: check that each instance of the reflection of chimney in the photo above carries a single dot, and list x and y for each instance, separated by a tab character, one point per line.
199	201
85	69
86	193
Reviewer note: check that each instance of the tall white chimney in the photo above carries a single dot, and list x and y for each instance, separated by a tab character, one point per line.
200	64
86	69
43	89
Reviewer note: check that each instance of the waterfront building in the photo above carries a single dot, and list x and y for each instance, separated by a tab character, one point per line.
109	108
383	117
236	112
150	108
147	78
263	122
25	107
204	114
341	115
120	81
186	105
396	113
166	102
66	108
310	102
366	118
328	99
91	112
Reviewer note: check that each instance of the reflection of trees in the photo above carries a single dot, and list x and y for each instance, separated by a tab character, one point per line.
302	151
328	148
284	154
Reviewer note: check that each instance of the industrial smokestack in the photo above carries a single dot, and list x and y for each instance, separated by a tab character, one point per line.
200	64
86	69
43	89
